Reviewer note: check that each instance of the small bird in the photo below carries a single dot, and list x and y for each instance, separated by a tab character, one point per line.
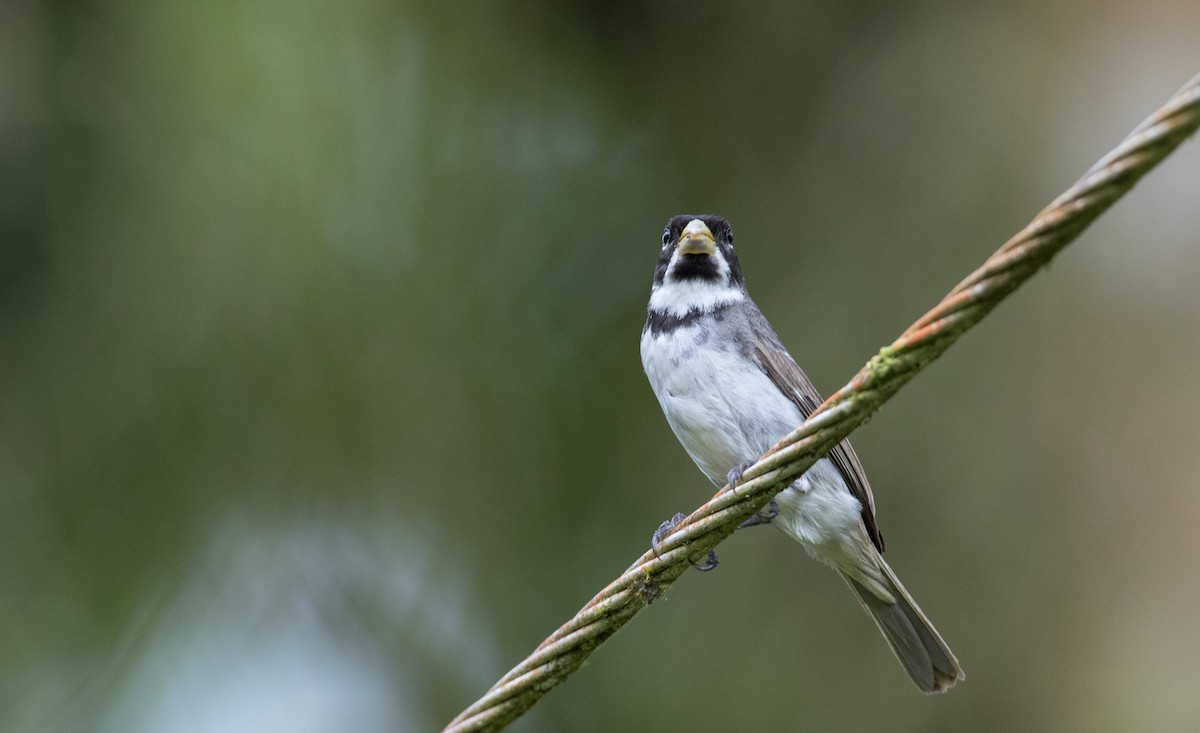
730	390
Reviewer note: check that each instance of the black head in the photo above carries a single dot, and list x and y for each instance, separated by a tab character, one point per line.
698	252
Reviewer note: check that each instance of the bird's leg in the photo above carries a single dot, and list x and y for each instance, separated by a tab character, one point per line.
772	510
763	517
667	528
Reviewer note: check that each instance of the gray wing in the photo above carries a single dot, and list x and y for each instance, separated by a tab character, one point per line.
783	371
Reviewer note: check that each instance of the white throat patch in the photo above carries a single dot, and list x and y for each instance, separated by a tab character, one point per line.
678	298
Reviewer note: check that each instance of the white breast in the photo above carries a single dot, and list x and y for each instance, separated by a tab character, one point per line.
723	408
726	411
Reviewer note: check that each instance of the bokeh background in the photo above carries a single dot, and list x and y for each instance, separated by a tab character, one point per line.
320	396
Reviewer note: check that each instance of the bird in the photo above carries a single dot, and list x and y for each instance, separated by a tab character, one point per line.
730	390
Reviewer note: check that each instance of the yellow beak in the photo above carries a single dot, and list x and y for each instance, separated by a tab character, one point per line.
696	239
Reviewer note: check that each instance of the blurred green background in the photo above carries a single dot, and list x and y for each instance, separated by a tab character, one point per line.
320	396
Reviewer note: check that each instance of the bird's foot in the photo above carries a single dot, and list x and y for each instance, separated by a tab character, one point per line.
734	477
763	517
667	528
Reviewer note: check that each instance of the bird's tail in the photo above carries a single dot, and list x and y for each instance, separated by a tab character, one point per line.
912	638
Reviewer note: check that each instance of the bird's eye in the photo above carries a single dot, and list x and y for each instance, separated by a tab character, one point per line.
666	237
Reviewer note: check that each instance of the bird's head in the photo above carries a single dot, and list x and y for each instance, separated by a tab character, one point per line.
697	266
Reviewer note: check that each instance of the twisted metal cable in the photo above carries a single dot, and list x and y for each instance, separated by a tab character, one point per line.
1016	261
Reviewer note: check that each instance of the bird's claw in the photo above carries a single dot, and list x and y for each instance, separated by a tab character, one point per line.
666	528
734	477
710	562
763	517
